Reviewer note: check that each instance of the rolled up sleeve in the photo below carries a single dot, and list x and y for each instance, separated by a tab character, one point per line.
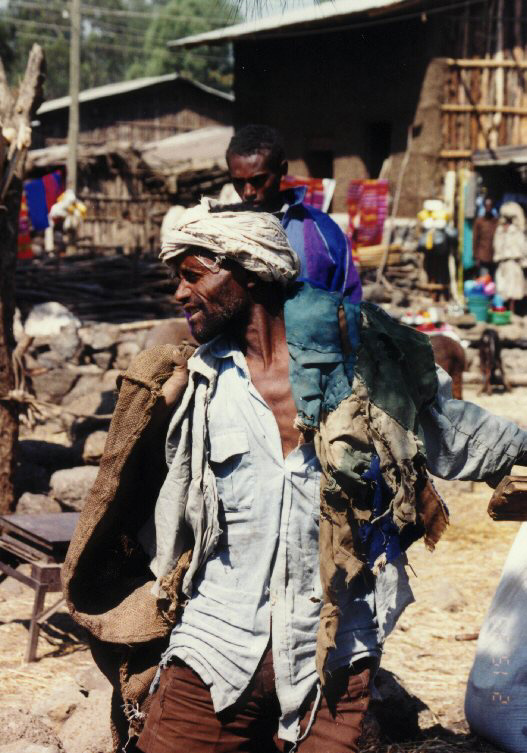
464	441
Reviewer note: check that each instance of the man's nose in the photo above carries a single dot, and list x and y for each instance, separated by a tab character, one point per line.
182	292
249	192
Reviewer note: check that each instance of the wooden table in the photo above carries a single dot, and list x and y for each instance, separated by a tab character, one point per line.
41	541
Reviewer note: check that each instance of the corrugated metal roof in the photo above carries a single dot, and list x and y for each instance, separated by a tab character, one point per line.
297	19
122	87
197	149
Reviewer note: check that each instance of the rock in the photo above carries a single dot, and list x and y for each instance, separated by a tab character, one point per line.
59	703
96	404
67	344
53	384
99	336
88	384
88	729
109	381
94	446
45	357
126	351
171	332
70	486
49	319
91	678
48	454
103	358
19	725
31	504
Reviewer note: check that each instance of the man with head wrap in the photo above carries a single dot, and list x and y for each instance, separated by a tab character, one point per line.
297	441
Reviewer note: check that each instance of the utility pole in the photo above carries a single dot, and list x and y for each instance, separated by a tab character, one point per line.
73	124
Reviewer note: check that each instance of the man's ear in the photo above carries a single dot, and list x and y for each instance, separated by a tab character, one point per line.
284	167
252	280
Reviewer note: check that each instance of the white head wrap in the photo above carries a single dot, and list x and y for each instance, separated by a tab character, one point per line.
255	240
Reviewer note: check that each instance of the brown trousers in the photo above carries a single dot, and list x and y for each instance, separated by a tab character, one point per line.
182	718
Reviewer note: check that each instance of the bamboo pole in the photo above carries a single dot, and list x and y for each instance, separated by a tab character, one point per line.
483	141
455	154
499	77
486	63
517	55
491	109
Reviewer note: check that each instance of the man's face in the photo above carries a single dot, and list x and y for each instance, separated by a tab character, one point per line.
255	181
214	301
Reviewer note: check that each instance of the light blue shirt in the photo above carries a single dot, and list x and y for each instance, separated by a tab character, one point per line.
262	582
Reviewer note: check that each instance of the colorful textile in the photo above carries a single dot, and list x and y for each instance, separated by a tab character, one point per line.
368	209
322	247
24	237
319	191
384	539
41	194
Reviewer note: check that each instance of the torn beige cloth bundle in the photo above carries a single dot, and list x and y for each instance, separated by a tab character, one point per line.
255	240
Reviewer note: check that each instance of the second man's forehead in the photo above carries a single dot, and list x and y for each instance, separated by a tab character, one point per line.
257	161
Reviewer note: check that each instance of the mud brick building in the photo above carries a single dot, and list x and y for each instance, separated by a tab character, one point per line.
383	88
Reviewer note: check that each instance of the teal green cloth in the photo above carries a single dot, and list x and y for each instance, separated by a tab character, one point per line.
395	362
397	365
319	373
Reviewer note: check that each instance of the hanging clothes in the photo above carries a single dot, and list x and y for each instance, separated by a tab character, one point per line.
510	252
25	250
41	194
368	210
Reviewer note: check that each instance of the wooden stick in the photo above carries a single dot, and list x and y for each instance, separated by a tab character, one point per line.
486	63
485	108
499	77
455	153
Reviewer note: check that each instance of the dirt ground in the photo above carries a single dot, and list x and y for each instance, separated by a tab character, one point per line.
431	650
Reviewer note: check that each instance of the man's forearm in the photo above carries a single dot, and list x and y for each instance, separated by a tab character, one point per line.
464	441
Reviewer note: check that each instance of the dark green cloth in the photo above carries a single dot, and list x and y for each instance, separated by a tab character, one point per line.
395	362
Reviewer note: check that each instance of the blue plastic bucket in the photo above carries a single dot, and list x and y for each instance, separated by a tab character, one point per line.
479	306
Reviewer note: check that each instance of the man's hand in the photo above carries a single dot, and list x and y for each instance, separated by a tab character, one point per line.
175	385
171	392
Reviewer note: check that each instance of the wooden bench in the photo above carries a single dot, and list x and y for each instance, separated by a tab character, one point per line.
41	541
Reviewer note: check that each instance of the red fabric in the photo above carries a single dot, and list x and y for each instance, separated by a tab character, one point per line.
315	189
25	250
368	209
53	187
182	717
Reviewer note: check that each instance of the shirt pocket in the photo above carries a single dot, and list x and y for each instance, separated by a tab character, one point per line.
230	460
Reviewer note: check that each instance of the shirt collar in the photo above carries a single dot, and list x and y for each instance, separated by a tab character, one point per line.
219	348
293	196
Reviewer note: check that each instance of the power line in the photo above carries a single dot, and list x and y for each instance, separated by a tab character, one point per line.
27	22
90	44
115	31
95	10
